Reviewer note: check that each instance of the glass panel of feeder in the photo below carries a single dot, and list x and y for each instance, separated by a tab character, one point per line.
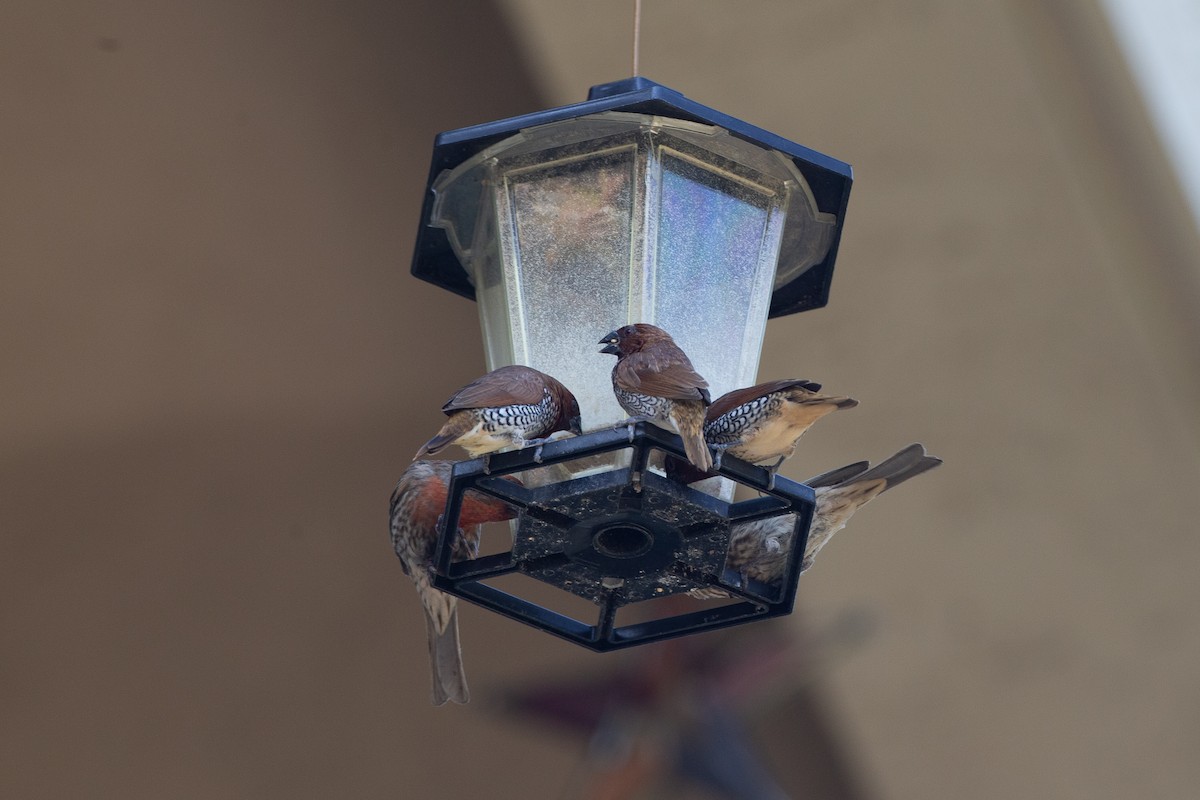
718	235
808	232
488	275
571	231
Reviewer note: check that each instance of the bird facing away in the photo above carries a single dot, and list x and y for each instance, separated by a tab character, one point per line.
654	380
759	549
509	406
417	503
764	422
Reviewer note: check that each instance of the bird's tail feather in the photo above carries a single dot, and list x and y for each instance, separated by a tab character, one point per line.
689	421
835	476
698	452
908	463
837	402
455	427
445	661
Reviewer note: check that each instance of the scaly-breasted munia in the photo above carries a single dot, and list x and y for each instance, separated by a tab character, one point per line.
759	549
764	422
654	380
417	503
509	406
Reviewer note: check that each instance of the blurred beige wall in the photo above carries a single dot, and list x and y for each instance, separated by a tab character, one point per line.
215	365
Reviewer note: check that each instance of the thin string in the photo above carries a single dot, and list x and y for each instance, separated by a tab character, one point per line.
637	33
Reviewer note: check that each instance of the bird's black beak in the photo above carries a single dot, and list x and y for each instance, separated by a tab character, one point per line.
610	342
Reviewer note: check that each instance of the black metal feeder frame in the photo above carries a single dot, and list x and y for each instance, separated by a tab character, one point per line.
621	537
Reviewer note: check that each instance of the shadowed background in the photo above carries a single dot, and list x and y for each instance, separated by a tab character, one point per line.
215	365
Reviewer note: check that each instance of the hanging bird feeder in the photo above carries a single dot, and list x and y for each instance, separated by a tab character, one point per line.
637	205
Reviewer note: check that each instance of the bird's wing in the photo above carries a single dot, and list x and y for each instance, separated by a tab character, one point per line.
515	385
662	372
731	400
394	523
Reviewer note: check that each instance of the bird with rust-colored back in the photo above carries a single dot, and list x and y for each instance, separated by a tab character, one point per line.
654	380
416	505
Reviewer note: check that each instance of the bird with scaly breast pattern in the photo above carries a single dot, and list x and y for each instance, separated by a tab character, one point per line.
764	422
654	380
507	407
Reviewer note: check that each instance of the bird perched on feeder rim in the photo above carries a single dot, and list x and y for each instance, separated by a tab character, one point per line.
759	549
415	509
764	422
510	406
654	380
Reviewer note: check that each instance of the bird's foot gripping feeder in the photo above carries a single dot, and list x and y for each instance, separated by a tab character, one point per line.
619	538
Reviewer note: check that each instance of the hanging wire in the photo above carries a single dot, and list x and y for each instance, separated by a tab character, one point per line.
637	33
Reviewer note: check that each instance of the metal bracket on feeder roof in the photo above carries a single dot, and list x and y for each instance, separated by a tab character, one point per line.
620	537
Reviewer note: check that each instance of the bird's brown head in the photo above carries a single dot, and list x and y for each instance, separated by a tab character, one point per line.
569	419
633	339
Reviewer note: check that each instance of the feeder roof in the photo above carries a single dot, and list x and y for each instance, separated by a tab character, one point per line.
828	179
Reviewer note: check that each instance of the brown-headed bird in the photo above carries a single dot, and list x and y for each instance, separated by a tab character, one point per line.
654	380
510	406
417	503
759	549
764	422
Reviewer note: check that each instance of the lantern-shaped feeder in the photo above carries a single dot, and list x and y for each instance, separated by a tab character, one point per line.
638	205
